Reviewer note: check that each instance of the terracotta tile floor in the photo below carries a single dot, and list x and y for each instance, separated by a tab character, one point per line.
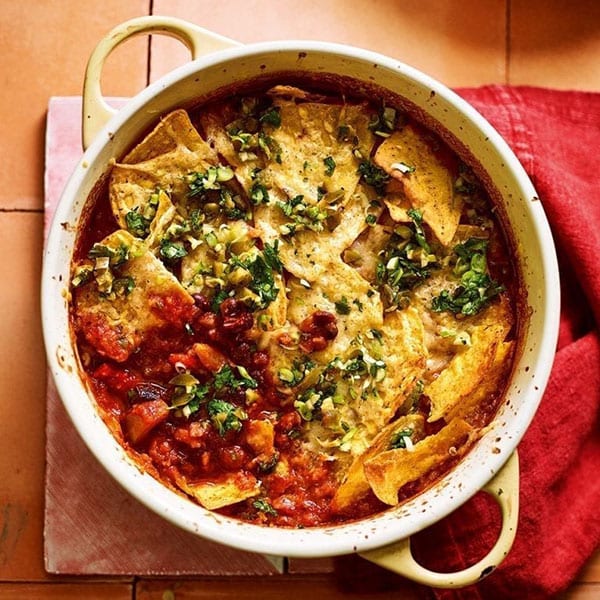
44	46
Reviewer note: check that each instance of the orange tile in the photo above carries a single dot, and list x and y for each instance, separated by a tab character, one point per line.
582	591
555	44
460	42
45	47
591	571
22	377
66	591
274	588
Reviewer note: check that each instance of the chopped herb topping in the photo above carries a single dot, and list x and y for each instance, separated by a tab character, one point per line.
208	188
271	255
293	376
476	287
82	274
123	286
329	163
262	282
116	256
342	307
210	179
303	216
263	506
346	133
406	261
373	175
383	123
269	146
225	416
188	393
401	439
271	116
403	168
136	224
227	378
172	251
259	193
218	299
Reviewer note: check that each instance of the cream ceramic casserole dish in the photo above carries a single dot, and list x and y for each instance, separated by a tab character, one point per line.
491	465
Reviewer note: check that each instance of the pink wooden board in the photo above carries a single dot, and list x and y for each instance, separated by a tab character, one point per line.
92	526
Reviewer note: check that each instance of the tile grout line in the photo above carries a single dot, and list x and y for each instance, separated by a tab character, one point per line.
149	50
507	41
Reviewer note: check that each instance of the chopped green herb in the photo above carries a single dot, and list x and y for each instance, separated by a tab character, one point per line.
271	255
346	133
218	299
383	123
377	334
188	394
329	163
476	287
81	275
259	193
225	416
264	507
271	116
373	175
303	216
342	307
261	267
136	224
296	374
417	218
123	285
370	219
172	251
403	168
116	256
211	179
269	146
407	260
227	378
401	439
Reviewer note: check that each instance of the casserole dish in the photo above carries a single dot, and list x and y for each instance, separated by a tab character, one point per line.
491	465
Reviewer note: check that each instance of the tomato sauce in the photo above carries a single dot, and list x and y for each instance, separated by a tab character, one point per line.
297	485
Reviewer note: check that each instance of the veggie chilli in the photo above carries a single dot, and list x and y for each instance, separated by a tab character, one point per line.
294	308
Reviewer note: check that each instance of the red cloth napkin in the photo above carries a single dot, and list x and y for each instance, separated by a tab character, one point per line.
556	135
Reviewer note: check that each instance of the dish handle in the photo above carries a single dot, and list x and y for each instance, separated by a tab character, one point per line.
96	111
504	488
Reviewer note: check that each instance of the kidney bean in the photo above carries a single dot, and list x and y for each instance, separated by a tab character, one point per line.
235	316
317	330
202	302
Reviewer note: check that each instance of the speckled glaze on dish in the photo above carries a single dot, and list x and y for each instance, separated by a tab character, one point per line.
382	538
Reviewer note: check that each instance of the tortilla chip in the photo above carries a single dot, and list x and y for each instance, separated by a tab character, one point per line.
489	387
363	255
470	366
160	161
389	471
397	202
309	140
355	485
214	124
403	337
166	213
230	489
117	324
430	187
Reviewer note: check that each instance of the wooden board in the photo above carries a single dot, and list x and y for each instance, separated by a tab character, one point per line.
92	526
